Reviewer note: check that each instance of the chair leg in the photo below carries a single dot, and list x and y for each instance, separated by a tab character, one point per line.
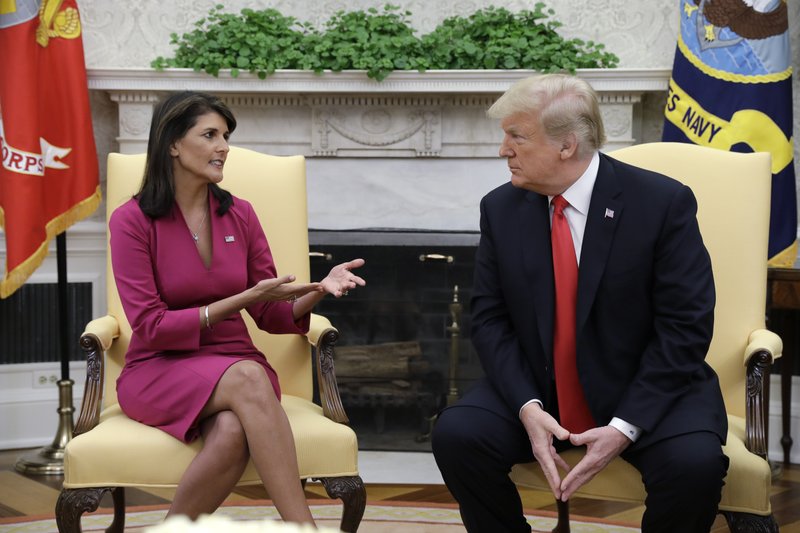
72	503
118	523
750	523
563	517
353	494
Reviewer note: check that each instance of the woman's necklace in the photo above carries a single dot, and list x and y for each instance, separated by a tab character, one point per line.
196	234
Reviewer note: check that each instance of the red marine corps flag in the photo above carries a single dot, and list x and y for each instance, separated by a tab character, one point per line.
49	176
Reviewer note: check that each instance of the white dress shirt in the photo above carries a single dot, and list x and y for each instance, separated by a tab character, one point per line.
579	196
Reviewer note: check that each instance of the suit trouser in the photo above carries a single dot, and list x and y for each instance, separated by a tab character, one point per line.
476	448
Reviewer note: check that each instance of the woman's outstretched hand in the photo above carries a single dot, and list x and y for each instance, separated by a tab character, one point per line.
340	279
283	288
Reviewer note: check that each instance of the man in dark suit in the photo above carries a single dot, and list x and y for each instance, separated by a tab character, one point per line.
597	343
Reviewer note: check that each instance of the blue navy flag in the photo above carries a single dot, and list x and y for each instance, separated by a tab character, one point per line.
731	88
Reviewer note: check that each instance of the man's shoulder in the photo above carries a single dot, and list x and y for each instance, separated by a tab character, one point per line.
635	177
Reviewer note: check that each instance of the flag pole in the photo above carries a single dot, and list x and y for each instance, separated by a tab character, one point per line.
49	460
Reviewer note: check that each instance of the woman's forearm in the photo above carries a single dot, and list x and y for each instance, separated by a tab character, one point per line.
217	311
305	304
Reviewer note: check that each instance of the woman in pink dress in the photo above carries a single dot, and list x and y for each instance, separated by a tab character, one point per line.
187	258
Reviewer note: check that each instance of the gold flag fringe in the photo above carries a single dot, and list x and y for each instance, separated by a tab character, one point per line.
785	258
14	279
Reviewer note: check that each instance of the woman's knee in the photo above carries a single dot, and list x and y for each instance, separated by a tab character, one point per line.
248	381
225	434
230	427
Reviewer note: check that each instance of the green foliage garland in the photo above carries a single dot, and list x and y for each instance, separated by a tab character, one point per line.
368	40
380	42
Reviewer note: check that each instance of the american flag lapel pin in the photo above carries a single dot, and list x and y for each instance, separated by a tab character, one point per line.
609	213
229	238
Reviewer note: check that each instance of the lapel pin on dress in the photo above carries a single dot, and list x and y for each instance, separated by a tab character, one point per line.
609	213
229	238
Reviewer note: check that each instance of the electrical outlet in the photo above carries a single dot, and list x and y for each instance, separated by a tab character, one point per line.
44	379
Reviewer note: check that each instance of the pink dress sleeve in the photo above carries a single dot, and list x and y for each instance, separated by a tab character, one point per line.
156	326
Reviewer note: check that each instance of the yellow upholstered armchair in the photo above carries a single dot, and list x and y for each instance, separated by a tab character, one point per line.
110	451
733	195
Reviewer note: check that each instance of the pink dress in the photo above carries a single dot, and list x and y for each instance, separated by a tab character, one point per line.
173	364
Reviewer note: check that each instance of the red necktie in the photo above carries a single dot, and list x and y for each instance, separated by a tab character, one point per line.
575	414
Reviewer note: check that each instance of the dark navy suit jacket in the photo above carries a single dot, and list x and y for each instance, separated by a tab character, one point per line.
645	305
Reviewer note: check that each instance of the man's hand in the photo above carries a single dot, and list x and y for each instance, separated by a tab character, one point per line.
541	428
602	445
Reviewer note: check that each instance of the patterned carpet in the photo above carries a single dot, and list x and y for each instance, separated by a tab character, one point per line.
26	500
379	517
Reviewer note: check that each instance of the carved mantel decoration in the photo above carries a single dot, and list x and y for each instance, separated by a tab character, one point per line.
376	126
436	114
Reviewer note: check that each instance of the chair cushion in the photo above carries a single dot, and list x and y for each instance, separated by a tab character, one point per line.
122	452
747	485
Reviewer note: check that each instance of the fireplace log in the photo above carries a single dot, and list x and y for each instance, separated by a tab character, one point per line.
386	361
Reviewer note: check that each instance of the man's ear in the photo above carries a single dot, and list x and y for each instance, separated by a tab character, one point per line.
569	146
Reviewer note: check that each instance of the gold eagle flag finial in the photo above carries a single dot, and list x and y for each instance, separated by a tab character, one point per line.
744	20
55	22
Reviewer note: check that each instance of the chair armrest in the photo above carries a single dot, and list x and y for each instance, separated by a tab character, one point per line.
106	329
763	340
323	336
95	340
318	328
762	349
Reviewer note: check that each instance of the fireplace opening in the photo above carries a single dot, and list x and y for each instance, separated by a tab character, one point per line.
404	349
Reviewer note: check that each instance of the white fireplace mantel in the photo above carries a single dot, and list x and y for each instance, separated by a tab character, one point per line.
414	151
346	114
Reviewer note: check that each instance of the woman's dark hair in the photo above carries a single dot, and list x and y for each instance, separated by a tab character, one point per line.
172	118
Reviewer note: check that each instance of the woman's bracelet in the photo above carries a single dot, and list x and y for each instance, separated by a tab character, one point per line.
208	323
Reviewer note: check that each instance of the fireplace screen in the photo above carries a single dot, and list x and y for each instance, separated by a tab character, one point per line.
404	350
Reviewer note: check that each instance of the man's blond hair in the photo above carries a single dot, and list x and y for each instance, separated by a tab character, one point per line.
565	104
